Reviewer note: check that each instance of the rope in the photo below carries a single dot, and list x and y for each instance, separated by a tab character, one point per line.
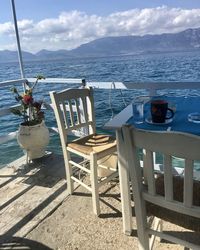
110	99
125	104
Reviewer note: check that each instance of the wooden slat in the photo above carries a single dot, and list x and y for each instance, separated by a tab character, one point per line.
168	181
188	183
80	166
79	126
171	238
64	114
174	142
90	109
144	164
108	178
78	111
81	183
175	205
149	166
71	114
73	94
85	113
156	224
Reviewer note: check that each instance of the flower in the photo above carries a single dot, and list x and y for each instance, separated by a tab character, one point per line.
29	109
27	99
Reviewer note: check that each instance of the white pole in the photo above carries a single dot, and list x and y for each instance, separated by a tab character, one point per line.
18	41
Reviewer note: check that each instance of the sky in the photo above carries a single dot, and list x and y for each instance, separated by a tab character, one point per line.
66	24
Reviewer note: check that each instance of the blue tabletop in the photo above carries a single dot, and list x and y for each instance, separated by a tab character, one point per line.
184	106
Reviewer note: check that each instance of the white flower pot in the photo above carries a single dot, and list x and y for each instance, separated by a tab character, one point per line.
33	139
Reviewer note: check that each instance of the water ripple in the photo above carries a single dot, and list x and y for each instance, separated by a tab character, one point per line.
154	67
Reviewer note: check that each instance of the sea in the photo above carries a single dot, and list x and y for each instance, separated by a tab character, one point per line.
157	67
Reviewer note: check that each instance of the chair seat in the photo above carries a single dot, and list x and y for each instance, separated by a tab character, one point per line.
182	220
96	143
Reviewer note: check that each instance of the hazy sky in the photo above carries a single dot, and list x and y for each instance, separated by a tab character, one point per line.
65	24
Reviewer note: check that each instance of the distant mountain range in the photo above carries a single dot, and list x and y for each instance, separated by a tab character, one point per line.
187	40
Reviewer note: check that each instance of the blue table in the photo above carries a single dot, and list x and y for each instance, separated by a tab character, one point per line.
184	106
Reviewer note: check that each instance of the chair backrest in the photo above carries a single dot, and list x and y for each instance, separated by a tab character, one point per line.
170	144
74	109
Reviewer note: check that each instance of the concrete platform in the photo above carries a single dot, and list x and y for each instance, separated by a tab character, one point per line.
29	193
37	213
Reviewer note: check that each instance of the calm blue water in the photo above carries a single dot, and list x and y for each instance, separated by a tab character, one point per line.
154	67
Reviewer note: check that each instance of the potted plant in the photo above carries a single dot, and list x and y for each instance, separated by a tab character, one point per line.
33	135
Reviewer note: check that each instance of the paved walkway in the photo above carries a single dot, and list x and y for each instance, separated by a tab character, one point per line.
36	212
29	193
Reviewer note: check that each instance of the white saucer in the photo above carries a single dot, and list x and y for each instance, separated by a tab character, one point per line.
194	117
149	120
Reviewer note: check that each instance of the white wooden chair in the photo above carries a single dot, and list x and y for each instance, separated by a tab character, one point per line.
172	198
74	110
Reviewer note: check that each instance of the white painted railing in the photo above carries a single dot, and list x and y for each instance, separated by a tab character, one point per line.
152	87
12	82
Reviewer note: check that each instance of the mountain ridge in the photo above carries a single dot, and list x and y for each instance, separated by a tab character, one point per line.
187	40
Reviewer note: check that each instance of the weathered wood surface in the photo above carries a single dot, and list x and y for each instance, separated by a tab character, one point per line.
29	193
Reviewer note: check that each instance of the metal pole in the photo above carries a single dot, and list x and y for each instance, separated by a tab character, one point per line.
18	41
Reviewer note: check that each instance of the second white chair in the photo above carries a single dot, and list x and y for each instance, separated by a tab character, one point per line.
172	198
74	110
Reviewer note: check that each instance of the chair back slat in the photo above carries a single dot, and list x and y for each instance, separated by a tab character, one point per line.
171	141
69	94
150	171
188	183
78	126
90	109
64	111
84	104
71	114
74	110
77	104
168	178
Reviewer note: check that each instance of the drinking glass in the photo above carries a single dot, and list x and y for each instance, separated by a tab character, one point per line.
138	111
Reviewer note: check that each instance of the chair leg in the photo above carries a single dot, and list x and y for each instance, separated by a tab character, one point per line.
94	184
141	220
68	169
160	228
143	241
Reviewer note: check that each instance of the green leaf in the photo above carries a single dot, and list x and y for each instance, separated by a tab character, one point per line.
14	90
40	77
17	111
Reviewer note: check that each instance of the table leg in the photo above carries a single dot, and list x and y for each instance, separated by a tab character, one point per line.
124	186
